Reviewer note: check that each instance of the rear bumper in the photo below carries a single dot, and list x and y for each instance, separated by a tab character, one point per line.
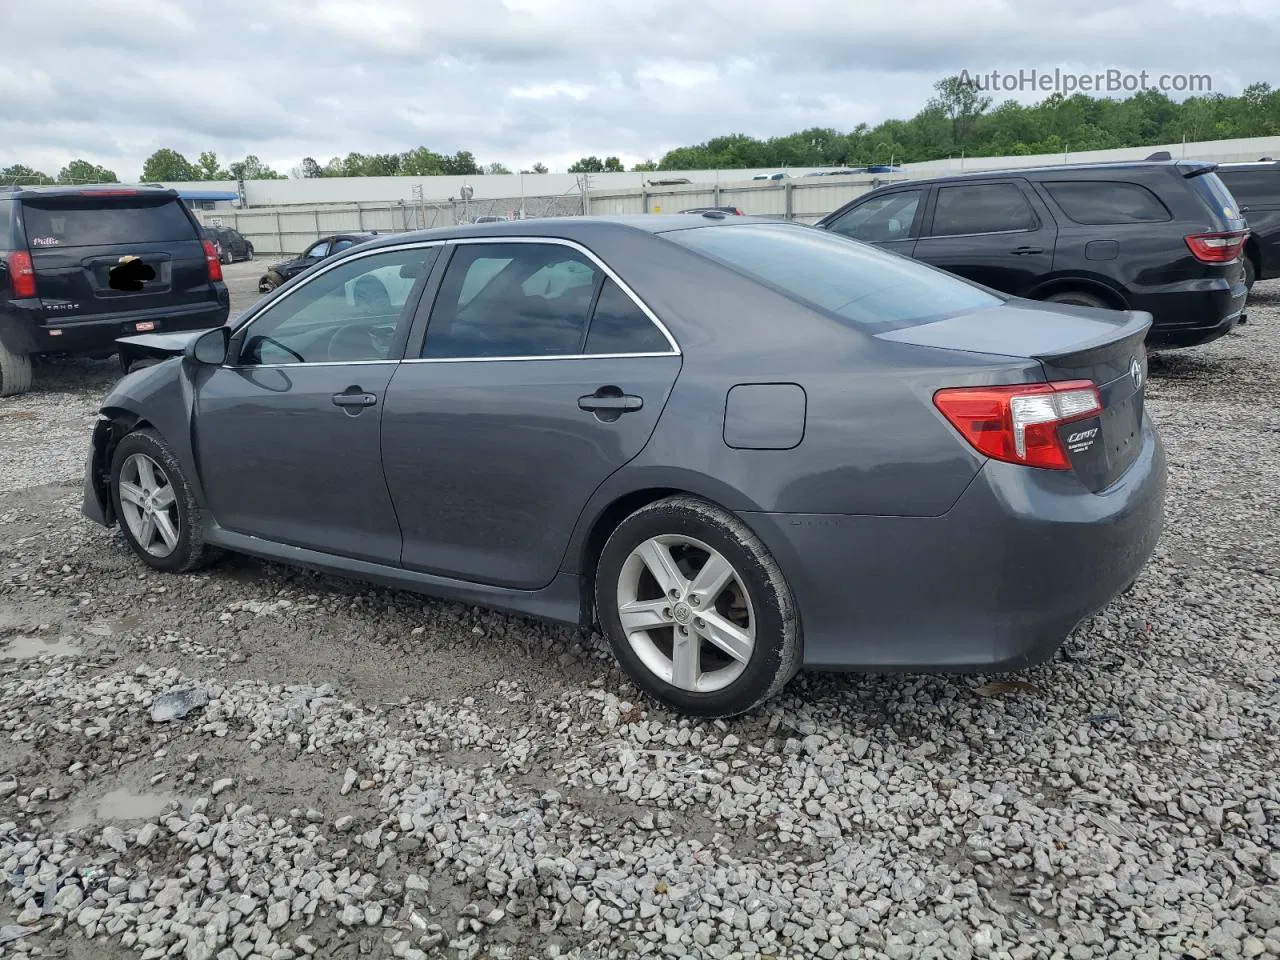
995	584
1193	313
28	331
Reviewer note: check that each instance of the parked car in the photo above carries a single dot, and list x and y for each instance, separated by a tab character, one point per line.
772	176
1256	188
232	245
739	446
837	172
490	218
81	266
732	211
322	249
1163	236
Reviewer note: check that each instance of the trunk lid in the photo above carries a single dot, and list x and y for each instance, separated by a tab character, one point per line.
99	256
1069	343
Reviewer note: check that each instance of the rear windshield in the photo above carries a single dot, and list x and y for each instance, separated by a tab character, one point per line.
6	225
1220	199
859	283
1252	186
87	222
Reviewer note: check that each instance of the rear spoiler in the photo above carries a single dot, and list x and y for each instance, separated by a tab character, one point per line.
1195	168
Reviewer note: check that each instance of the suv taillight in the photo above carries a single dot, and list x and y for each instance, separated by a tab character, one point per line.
22	275
1217	247
1019	424
211	261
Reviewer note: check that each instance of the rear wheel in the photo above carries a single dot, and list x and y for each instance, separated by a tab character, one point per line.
158	513
1078	298
1250	273
15	372
696	610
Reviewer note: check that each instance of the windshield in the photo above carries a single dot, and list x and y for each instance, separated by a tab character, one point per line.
856	282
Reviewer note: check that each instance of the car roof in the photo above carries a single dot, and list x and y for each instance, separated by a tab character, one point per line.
583	230
34	191
1060	171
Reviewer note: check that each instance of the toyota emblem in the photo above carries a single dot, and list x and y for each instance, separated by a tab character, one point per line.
1135	371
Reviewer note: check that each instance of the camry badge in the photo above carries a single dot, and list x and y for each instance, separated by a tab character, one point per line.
1135	371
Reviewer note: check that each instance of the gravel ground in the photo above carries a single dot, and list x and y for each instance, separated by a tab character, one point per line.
378	774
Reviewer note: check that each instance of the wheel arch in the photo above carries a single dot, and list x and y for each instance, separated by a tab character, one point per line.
1253	250
1090	285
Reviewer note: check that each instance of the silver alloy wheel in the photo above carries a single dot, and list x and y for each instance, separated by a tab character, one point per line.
686	613
149	505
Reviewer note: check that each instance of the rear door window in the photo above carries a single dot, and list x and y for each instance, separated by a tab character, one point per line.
620	326
513	300
862	285
85	222
1109	202
981	208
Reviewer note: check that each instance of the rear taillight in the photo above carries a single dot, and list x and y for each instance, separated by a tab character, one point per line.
1019	424
1217	247
22	275
211	261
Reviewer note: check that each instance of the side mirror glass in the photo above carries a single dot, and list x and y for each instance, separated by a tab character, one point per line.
210	347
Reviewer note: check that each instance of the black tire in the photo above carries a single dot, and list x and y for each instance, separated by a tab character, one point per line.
142	363
776	652
189	551
1078	298
15	372
227	258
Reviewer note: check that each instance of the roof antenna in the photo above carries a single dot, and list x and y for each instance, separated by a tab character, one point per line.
1161	155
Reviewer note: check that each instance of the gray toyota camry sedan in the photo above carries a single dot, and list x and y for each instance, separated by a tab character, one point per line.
739	447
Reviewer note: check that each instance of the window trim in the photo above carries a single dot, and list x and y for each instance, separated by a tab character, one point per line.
937	193
419	342
238	334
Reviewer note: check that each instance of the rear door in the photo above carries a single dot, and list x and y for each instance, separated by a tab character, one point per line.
539	375
995	232
97	256
890	220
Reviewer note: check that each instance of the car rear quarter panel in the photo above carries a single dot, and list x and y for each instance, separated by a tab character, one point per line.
873	443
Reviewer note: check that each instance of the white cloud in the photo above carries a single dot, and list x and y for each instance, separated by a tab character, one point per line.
520	81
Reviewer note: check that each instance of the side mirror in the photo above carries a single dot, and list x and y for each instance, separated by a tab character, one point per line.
210	347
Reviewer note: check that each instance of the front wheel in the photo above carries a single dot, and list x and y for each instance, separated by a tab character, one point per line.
696	610
157	511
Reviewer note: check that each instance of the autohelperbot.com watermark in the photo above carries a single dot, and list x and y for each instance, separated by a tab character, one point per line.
1067	82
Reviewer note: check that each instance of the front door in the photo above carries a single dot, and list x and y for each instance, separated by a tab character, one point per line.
999	234
888	220
539	377
288	433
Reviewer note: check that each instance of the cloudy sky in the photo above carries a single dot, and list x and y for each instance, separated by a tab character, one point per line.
521	81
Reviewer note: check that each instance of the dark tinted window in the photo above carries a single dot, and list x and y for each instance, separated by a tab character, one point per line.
866	286
6	225
86	222
351	312
339	245
1252	187
1104	201
981	208
620	326
321	249
512	300
881	219
1220	199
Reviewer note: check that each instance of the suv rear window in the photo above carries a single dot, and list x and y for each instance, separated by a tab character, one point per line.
863	285
1220	199
1107	201
86	222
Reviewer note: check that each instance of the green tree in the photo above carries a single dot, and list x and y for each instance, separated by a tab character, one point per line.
461	164
495	169
539	167
308	169
613	165
19	173
645	166
167	165
962	103
421	162
251	168
82	171
588	165
207	167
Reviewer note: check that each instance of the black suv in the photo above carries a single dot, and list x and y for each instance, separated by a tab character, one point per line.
1159	236
1256	187
82	266
230	244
